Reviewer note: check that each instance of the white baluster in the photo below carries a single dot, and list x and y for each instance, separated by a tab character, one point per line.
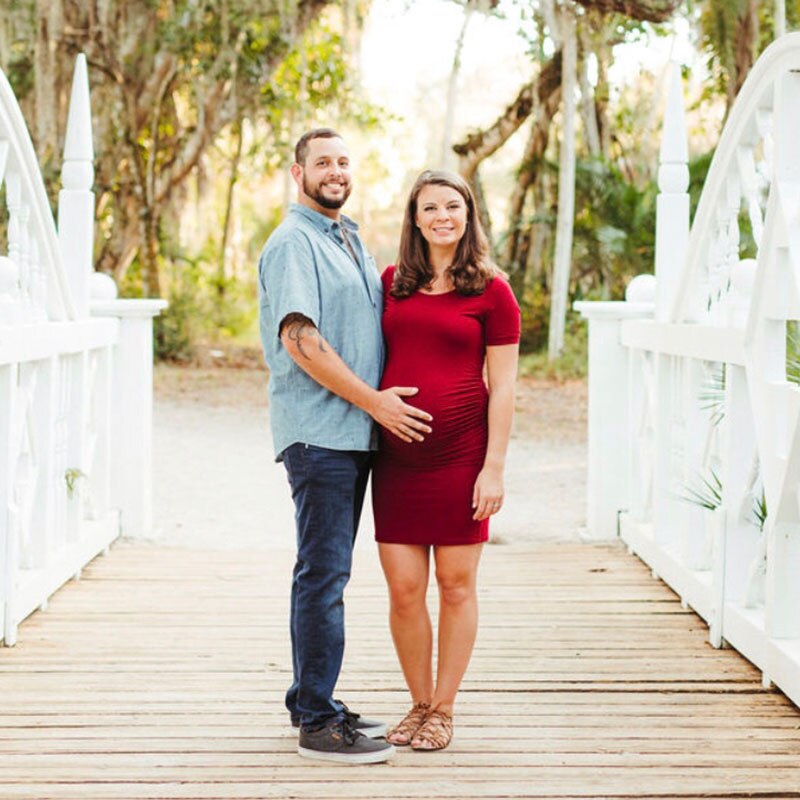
44	411
743	278
14	202
750	188
10	307
8	559
60	445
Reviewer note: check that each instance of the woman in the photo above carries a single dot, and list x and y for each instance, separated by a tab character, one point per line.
448	311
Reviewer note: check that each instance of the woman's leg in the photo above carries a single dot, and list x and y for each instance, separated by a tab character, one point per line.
456	574
406	569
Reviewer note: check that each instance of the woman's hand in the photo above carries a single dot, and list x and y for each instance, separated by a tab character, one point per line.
487	496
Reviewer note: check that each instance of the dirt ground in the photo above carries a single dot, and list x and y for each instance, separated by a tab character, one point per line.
545	409
217	484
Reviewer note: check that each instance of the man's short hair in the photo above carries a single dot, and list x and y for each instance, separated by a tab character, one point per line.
301	148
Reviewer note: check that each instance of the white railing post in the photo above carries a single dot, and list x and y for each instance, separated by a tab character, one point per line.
8	385
672	204
609	435
132	403
783	520
76	199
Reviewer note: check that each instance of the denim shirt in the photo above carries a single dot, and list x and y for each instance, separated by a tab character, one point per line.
306	268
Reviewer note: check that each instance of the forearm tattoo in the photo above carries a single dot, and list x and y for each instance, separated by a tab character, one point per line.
298	328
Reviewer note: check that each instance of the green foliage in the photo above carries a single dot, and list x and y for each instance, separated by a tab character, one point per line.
717	22
760	510
175	328
71	477
712	394
698	171
614	234
793	352
316	80
204	308
572	363
535	308
706	492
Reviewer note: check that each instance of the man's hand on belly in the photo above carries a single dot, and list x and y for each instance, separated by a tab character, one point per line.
398	417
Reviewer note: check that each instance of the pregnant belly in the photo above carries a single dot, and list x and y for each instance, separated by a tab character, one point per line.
459	425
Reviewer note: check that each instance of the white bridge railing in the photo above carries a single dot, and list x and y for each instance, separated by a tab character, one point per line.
75	376
694	442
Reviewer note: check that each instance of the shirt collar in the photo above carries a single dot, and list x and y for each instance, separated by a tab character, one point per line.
325	224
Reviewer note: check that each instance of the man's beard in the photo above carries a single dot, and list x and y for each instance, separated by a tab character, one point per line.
315	193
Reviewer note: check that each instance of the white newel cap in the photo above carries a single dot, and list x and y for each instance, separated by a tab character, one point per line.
674	147
641	289
78	171
102	287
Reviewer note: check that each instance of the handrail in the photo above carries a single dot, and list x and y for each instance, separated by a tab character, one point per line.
22	155
756	94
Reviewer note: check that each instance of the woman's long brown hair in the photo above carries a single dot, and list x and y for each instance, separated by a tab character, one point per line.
471	270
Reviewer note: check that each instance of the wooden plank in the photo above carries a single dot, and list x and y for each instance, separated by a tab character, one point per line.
161	675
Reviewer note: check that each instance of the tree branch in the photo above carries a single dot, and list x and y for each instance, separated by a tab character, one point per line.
480	145
644	10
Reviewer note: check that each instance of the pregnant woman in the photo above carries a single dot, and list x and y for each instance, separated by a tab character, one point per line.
448	314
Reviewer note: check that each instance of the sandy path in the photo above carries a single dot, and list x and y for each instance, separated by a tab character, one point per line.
217	486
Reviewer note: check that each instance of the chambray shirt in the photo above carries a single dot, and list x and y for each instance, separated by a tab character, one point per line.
306	268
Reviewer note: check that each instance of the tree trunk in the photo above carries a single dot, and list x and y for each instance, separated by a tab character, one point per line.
541	232
49	80
527	175
483	208
148	255
601	97
446	155
226	224
591	130
744	50
566	193
780	18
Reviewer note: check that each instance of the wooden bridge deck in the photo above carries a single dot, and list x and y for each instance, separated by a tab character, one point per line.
161	673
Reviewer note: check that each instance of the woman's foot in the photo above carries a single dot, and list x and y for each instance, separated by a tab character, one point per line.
402	733
435	732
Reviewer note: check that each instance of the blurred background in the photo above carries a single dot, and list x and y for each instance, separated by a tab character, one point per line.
197	105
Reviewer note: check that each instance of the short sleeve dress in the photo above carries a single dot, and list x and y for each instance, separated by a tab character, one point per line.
422	491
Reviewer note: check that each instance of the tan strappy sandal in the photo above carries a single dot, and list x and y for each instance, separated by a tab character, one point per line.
402	733
435	733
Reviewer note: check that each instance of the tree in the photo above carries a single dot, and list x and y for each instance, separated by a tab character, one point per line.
534	97
578	30
170	76
730	35
563	28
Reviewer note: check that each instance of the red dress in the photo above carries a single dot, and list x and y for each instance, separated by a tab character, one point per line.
422	491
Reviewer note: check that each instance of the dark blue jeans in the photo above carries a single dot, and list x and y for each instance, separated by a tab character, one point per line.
328	489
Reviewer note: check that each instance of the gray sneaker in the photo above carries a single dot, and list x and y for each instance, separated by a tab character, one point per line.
339	741
371	728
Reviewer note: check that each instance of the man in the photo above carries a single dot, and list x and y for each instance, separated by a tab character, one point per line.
320	308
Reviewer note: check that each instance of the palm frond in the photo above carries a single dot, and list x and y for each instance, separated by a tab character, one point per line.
760	510
712	394
792	352
706	492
